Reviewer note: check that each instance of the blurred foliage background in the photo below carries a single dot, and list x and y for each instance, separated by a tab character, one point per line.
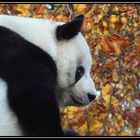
113	34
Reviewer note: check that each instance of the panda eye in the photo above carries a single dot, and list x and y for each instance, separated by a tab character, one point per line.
79	73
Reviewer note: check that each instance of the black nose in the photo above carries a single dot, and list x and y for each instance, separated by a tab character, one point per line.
91	97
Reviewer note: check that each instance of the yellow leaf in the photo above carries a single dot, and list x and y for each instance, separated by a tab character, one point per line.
104	24
100	16
24	9
106	32
97	125
81	7
83	129
112	25
89	25
116	8
115	102
106	89
124	19
73	108
113	18
106	93
75	6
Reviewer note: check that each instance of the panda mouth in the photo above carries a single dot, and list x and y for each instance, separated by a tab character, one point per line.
76	101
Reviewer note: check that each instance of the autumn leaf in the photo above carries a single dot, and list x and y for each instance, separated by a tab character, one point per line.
110	64
113	18
118	25
81	7
106	93
131	10
104	45
115	76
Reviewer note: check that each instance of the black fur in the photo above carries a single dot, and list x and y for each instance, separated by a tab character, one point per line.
70	29
69	132
30	74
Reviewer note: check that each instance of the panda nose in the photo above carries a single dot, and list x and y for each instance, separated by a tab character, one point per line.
91	97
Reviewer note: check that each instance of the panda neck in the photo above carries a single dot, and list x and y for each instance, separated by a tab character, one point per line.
37	31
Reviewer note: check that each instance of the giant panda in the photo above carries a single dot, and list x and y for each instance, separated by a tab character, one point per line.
44	65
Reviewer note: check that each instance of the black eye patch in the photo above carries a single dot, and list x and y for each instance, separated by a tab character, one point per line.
79	73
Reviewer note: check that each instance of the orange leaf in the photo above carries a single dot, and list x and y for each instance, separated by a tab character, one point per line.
116	42
123	9
110	63
104	45
118	25
137	42
131	10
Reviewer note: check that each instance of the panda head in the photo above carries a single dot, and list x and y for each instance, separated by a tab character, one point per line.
68	48
75	86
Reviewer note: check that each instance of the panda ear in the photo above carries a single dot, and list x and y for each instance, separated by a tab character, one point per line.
70	29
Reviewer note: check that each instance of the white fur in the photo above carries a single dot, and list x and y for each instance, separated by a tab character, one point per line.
40	32
8	122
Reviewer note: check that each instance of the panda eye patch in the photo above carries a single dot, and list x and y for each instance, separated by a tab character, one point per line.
79	73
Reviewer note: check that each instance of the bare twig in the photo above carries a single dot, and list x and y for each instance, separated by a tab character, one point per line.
9	10
32	10
72	12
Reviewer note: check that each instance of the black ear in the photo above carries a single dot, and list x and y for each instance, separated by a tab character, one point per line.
70	29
